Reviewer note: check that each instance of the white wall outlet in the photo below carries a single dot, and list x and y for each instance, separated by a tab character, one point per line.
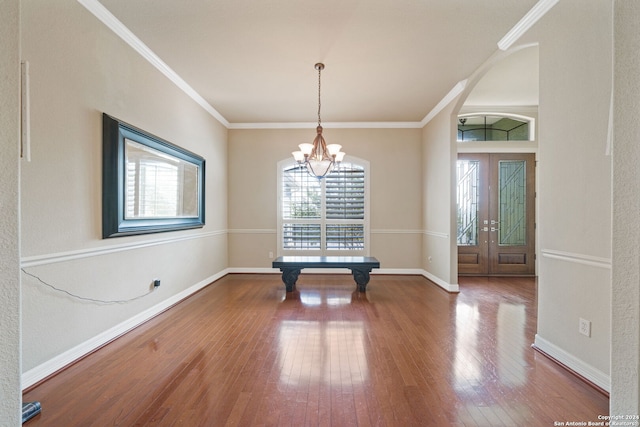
270	254
584	327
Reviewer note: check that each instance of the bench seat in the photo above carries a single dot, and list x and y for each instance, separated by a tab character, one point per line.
360	267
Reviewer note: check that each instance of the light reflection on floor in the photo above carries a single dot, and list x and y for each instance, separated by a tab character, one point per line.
466	366
331	352
311	298
511	344
480	368
470	366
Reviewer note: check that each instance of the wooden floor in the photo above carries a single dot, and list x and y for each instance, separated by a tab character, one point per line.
244	352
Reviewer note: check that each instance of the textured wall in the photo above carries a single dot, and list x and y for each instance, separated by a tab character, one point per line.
625	396
10	395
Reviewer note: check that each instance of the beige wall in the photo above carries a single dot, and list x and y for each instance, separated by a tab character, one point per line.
79	69
395	180
574	197
10	396
439	199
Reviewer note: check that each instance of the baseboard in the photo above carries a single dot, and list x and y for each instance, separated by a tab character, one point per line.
449	287
588	372
378	271
37	374
253	270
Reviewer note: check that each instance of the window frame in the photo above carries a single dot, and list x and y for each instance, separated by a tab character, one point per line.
323	221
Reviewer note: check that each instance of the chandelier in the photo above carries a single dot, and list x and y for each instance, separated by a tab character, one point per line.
319	158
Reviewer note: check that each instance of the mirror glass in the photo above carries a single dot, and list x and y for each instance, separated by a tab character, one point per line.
159	185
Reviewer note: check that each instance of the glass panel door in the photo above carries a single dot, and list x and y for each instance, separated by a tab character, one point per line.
473	213
468	174
512	215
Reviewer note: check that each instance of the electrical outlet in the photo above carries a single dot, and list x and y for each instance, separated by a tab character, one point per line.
156	283
270	255
584	327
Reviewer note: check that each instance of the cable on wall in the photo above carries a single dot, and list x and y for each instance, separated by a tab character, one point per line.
93	300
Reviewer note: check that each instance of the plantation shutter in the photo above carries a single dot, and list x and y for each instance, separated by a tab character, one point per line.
345	194
344	207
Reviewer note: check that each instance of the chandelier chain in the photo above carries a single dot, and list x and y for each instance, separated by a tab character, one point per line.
319	104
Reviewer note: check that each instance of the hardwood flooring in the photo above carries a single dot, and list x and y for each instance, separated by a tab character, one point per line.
243	352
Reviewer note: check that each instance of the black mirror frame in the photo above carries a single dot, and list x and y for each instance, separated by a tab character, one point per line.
114	223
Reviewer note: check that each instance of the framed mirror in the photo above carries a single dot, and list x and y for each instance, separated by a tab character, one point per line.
148	184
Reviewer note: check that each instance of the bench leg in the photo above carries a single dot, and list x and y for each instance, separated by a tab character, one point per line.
289	277
361	276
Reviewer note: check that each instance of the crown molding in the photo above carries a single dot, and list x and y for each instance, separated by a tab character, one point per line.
328	125
115	25
527	21
453	93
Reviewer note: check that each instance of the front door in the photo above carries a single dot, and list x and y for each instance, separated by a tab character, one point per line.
496	214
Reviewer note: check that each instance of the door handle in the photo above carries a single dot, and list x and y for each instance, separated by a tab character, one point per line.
495	229
493	222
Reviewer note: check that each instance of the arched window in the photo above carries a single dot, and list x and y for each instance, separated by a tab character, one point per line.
326	216
494	127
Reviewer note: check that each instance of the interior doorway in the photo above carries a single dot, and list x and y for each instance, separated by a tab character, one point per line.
496	214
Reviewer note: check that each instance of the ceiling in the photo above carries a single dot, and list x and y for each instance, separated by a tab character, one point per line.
386	60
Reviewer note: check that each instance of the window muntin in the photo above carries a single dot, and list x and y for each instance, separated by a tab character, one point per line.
326	216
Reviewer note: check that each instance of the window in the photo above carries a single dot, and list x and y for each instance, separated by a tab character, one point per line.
487	127
326	216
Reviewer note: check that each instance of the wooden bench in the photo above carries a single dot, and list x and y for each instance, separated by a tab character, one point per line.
360	267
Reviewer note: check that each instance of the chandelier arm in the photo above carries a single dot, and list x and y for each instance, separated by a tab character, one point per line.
319	151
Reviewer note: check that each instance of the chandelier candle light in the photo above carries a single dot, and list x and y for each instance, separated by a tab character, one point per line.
319	158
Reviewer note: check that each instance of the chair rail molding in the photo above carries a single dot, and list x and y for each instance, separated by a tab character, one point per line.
36	260
589	260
